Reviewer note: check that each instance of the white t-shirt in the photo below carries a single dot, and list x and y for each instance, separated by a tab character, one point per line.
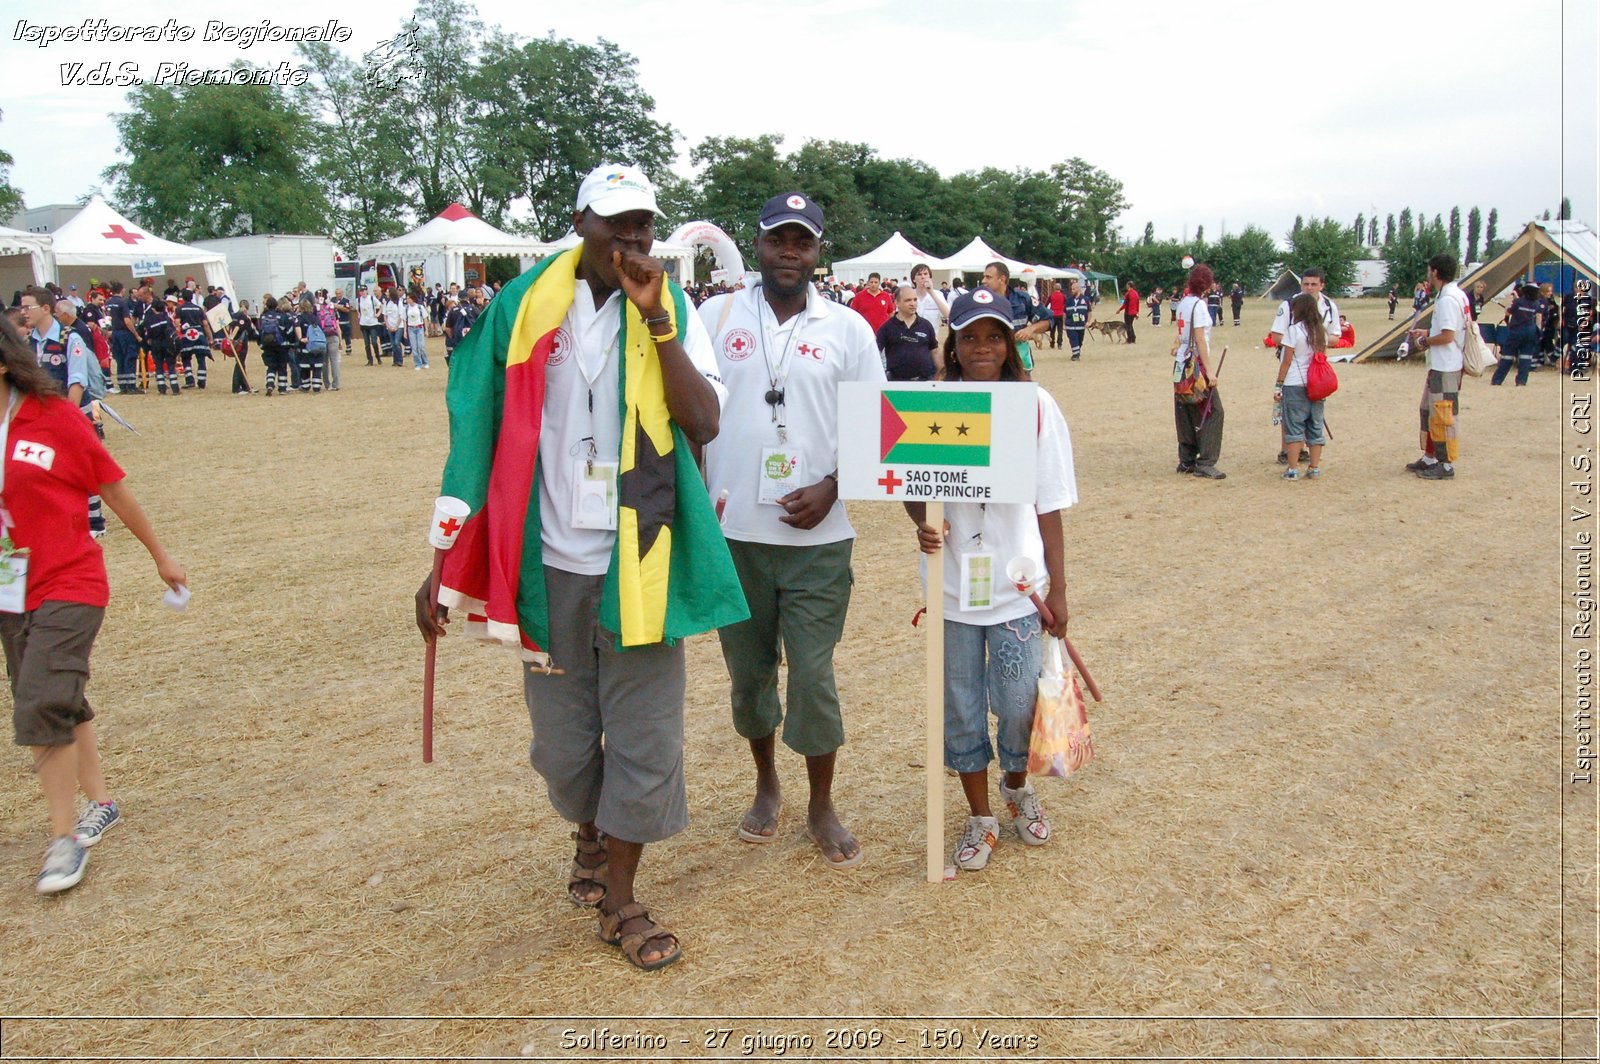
1191	312
391	316
1449	312
1011	530
585	358
812	352
416	315
928	309
1297	340
1330	316
368	306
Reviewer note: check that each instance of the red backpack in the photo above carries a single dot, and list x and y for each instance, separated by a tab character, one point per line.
1321	381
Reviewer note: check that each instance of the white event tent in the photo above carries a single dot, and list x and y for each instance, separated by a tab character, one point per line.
893	258
681	256
24	259
442	244
99	243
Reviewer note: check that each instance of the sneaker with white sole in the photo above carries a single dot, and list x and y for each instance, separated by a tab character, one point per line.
64	864
1027	815
95	821
978	839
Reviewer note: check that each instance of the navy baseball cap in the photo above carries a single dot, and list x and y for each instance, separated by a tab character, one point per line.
791	207
979	303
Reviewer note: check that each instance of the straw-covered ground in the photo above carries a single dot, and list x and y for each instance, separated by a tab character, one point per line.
1324	812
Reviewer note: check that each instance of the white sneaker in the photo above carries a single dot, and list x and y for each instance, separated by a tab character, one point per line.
1027	815
977	842
64	864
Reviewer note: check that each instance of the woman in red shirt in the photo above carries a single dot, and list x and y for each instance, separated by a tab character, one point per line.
53	595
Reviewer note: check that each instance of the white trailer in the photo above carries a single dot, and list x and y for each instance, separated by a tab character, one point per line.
275	263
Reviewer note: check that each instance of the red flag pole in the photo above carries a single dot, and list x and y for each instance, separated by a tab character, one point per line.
428	662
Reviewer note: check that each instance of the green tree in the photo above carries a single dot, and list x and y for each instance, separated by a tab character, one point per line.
1247	257
209	161
1455	229
543	113
1388	230
1565	213
1360	228
1299	222
1408	228
10	198
1199	236
427	87
900	194
737	175
1488	233
359	148
1149	233
1327	243
1372	232
1146	266
1408	255
1474	230
1091	200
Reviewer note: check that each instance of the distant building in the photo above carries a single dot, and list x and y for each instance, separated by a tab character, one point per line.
45	219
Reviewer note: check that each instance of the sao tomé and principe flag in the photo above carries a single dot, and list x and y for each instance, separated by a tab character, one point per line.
670	575
946	428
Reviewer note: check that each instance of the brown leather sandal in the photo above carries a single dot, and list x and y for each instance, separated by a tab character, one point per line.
582	875
633	943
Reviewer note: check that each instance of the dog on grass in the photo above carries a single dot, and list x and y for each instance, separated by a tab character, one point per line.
1110	329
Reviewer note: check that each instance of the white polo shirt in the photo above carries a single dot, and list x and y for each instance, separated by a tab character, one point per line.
811	354
1330	316
1449	312
368	307
584	358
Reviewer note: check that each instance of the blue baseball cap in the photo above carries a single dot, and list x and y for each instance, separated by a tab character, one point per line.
979	303
791	208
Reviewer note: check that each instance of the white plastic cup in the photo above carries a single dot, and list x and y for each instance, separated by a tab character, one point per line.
449	514
176	599
1022	573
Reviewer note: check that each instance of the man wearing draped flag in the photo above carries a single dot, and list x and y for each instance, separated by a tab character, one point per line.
591	543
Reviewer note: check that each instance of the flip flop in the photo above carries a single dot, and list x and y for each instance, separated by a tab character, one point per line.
841	864
755	836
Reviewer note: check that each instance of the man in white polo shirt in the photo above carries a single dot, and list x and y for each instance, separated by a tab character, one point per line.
782	351
1441	395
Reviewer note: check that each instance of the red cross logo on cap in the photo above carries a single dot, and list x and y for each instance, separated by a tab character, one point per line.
983	296
116	232
797	202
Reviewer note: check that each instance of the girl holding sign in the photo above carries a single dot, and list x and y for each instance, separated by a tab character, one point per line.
994	642
53	595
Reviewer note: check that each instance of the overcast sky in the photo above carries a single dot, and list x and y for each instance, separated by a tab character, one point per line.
1210	114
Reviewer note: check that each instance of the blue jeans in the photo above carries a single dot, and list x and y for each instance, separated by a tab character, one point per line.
990	669
417	336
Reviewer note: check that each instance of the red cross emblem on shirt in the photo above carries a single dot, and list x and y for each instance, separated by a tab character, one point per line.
449	527
809	351
737	343
25	451
890	482
116	232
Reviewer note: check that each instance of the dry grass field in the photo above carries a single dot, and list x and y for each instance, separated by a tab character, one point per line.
1324	820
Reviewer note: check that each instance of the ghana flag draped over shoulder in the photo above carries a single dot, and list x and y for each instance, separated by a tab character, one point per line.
670	574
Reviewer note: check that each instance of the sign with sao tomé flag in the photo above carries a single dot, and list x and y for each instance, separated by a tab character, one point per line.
937	441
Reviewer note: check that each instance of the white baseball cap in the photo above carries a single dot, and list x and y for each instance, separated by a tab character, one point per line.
613	189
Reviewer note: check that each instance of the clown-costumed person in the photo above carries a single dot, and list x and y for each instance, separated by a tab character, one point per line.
592	544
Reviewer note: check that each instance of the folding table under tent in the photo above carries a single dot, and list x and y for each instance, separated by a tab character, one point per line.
894	257
1570	243
443	243
24	259
101	244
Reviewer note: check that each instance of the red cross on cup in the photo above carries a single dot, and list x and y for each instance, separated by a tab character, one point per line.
449	527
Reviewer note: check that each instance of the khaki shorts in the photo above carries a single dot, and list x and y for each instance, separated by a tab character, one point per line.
47	660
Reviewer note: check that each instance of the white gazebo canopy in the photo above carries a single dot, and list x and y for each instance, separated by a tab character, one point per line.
443	243
100	243
24	259
894	257
680	255
978	254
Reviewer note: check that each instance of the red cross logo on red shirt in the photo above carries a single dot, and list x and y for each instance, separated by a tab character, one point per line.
890	482
25	451
116	232
449	527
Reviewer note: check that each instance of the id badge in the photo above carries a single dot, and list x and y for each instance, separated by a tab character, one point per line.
594	494
13	583
977	580
781	473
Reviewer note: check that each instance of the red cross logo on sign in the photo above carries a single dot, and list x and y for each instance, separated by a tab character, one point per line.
116	232
890	481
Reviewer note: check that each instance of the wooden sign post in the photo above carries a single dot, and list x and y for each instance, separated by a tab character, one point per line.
937	442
